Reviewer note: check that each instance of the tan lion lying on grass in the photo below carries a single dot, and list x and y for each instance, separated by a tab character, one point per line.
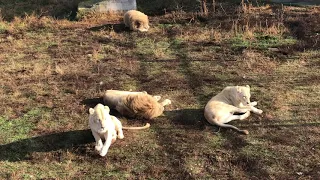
105	126
136	21
232	99
135	104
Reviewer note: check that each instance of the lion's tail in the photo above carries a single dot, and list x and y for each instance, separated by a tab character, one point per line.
137	128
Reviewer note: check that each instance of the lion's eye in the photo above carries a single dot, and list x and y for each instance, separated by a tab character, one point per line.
244	97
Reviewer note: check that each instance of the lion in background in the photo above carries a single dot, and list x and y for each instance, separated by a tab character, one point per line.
221	108
136	21
135	104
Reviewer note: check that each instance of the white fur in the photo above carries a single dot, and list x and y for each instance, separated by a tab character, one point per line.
232	99
104	126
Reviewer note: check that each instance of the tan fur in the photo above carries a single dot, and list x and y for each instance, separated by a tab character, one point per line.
135	104
232	99
136	128
136	21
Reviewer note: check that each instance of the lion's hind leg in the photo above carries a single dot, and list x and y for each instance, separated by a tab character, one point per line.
114	137
222	120
118	127
232	117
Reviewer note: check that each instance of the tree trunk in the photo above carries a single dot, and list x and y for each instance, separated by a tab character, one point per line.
204	7
214	6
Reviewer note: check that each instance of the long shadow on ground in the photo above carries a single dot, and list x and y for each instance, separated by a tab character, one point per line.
90	103
190	117
22	149
57	9
118	28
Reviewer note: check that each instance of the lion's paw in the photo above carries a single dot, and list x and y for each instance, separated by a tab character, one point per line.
253	103
157	98
167	101
259	111
120	136
98	148
103	153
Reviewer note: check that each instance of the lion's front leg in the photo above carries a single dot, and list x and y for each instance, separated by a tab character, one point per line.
252	108
98	140
254	103
256	110
105	148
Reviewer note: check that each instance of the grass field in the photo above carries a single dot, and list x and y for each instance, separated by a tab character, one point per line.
53	70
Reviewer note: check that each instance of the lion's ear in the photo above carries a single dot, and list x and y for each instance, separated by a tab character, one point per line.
107	108
248	86
91	111
238	89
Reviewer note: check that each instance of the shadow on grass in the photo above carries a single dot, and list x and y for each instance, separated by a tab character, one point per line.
57	8
251	165
22	149
118	28
178	142
91	103
188	117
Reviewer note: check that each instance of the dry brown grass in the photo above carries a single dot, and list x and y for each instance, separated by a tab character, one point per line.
53	70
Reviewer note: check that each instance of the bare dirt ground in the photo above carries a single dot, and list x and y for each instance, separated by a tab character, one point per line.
53	70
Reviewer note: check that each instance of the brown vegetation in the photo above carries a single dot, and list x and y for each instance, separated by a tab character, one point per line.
53	70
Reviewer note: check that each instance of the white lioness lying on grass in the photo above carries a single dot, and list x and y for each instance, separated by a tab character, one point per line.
135	104
105	126
232	99
136	21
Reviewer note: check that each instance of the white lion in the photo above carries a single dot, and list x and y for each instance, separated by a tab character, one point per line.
232	99
136	21
135	104
105	126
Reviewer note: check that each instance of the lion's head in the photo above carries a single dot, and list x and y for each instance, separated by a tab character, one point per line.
99	117
141	106
142	26
243	94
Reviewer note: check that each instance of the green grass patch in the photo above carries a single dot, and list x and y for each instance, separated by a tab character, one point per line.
3	27
261	41
17	129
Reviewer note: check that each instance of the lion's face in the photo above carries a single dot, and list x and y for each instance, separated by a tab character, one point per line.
243	94
142	26
98	118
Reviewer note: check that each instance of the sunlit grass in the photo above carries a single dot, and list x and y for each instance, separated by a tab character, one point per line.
50	67
17	129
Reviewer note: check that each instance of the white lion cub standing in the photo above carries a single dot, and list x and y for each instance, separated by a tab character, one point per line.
107	127
232	99
104	126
